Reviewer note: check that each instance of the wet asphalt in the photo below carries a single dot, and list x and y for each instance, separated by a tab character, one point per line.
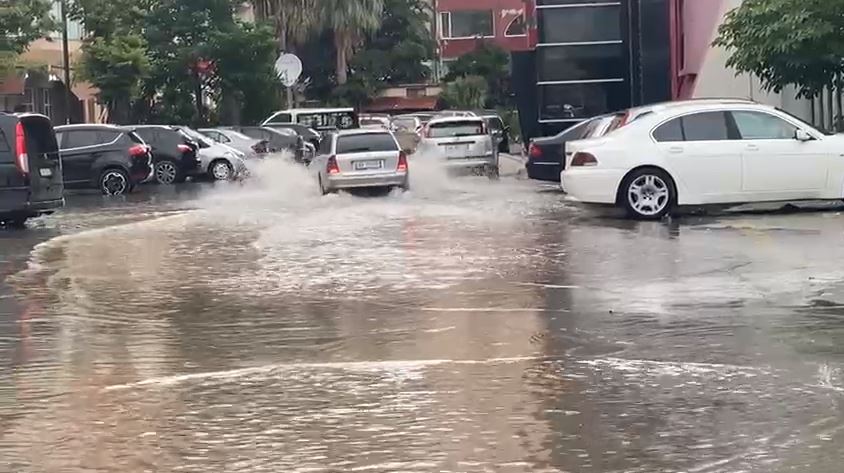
467	326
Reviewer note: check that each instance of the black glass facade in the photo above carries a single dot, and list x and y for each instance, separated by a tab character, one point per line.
598	56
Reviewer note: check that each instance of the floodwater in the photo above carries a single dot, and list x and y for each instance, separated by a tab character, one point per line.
467	326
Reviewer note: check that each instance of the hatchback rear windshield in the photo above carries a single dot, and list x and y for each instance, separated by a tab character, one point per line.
453	129
366	142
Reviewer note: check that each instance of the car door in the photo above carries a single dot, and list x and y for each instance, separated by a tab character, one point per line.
703	154
13	190
775	164
78	154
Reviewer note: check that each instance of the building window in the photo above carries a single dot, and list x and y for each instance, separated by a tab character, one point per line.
582	24
48	103
575	102
28	100
582	62
467	24
517	27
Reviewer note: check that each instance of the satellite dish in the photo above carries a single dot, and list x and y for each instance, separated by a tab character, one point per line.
289	69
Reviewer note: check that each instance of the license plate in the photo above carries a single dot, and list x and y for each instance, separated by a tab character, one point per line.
371	164
456	150
45	172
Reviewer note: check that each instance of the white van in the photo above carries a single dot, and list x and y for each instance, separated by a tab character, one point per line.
320	119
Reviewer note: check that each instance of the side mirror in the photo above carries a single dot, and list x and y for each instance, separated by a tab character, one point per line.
802	135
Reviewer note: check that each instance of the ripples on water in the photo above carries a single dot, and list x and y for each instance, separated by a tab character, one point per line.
460	327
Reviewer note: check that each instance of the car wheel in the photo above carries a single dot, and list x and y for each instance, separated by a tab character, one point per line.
114	181
493	173
322	189
221	170
648	194
167	172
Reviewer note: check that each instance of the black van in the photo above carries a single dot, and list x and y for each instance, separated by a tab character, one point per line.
30	168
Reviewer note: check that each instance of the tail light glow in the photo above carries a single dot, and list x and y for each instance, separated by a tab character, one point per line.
583	159
402	167
332	167
21	155
534	151
184	148
138	151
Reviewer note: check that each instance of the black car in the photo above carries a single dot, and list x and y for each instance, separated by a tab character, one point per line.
308	134
174	155
30	168
110	158
277	140
546	156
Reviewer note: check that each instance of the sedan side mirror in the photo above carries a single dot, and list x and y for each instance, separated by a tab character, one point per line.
802	135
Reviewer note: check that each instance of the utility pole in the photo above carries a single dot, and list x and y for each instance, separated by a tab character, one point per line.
66	65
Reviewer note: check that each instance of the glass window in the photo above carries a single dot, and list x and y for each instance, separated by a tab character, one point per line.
467	24
325	145
366	142
282	118
708	126
670	131
4	144
517	27
405	123
107	136
580	101
459	128
762	126
79	139
595	61
581	24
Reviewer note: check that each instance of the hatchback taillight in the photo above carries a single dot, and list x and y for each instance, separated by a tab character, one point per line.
21	155
332	167
184	148
402	167
138	151
534	151
583	159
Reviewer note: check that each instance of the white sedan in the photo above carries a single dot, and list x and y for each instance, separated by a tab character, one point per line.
705	152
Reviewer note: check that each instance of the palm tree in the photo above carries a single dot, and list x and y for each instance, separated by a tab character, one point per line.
295	20
350	21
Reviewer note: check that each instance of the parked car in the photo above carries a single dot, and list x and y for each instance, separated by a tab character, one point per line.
110	158
546	155
320	119
406	123
351	159
377	122
702	153
217	161
277	140
31	181
308	134
463	143
499	131
251	147
174	155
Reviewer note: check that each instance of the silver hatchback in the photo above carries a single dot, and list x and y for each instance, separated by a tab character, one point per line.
353	159
463	143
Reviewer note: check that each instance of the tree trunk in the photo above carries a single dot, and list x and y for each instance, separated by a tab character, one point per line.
197	95
342	65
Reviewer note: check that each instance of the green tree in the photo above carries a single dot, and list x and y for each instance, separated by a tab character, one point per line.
488	61
787	42
467	93
21	22
349	21
295	21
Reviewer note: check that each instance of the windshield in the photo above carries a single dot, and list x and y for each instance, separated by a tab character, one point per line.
196	136
366	142
454	129
236	134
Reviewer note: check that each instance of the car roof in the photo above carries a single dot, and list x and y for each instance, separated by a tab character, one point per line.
316	110
92	126
455	119
361	131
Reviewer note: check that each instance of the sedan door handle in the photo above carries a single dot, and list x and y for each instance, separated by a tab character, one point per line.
752	148
675	150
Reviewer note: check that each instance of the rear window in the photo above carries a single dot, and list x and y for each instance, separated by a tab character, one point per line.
4	144
454	129
132	136
407	123
366	142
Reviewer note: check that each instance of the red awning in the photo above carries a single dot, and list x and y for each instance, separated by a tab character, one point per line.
12	85
402	104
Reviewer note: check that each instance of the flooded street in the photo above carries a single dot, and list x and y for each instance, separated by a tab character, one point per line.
466	326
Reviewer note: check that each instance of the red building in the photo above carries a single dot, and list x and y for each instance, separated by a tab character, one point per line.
462	24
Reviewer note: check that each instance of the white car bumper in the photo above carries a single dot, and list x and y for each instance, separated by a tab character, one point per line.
592	185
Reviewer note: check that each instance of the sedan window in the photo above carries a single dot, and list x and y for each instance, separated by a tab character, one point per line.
762	126
670	131
707	126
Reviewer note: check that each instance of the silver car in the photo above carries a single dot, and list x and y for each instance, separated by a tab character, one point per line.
350	159
251	147
217	161
463	143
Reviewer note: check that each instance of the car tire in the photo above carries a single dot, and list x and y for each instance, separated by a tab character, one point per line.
648	194
114	181
221	170
493	173
167	172
322	189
